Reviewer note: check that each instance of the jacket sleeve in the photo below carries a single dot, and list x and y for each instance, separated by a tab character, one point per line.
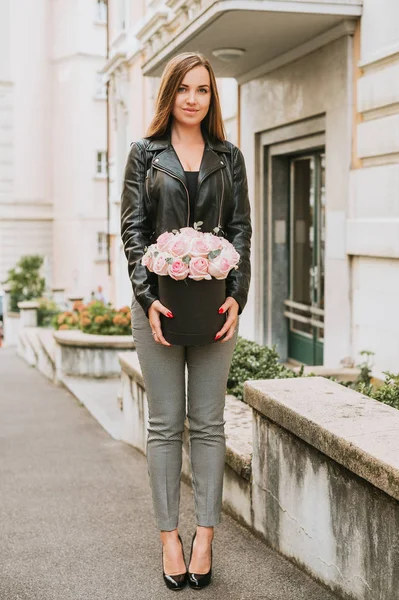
136	228
239	232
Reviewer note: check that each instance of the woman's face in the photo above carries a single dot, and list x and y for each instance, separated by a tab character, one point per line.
193	97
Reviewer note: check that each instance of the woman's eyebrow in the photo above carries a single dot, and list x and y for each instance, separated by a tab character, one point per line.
202	85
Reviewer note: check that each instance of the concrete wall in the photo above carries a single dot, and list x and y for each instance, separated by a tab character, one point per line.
324	483
315	84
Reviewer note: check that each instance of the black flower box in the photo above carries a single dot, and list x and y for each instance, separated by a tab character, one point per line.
195	306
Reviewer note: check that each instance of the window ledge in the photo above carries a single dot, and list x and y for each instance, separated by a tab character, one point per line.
98	22
99	177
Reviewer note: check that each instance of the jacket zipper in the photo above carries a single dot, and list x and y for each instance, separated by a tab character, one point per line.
185	187
221	199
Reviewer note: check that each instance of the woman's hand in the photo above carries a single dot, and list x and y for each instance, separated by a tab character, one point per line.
231	306
155	321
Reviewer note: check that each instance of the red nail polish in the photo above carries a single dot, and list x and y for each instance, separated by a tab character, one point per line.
217	336
220	311
170	315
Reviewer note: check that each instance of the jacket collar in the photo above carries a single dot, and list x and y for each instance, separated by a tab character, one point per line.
168	160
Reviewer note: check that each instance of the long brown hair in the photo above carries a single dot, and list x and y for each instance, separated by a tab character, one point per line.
172	77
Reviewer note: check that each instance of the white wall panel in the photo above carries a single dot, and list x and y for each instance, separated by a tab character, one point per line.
379	136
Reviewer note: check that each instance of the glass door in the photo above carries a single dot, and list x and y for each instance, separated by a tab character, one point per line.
304	308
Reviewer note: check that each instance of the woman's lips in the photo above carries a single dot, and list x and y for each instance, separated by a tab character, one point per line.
190	110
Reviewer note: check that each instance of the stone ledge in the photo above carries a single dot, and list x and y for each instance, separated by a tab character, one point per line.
28	305
357	432
341	374
75	337
48	342
130	365
238	417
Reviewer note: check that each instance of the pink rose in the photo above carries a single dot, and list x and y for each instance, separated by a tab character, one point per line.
164	240
200	246
178	269
215	242
190	232
159	265
147	260
231	254
199	268
219	267
180	245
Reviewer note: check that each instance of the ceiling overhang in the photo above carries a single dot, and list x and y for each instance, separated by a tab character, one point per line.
265	29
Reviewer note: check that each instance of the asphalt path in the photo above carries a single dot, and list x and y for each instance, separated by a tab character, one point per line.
76	517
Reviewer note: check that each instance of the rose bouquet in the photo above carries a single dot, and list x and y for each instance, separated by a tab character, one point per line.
190	253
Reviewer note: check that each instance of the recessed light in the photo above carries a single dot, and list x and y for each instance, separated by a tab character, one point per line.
228	54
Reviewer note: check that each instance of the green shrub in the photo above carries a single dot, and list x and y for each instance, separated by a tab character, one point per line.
25	280
253	361
388	393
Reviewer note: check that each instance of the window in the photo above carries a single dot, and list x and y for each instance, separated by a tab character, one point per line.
101	88
101	245
101	14
101	163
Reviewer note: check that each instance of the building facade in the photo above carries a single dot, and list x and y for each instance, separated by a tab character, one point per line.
317	114
53	142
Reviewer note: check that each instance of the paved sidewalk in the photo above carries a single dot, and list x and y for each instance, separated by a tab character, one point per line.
76	514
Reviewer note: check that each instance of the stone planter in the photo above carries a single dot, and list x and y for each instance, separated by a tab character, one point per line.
85	355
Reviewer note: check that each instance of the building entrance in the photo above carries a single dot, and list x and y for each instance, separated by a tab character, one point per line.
304	308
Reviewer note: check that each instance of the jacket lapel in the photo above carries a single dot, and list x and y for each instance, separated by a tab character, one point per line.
210	162
167	160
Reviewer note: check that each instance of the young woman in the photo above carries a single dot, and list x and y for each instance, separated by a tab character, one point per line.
182	172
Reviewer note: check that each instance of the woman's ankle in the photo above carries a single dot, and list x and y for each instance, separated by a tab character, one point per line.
167	536
205	532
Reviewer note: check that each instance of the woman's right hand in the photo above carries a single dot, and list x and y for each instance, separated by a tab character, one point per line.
155	321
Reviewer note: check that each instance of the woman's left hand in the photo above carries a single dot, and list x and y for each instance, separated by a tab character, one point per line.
230	306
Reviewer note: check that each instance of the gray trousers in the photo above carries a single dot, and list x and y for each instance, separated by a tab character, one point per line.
164	373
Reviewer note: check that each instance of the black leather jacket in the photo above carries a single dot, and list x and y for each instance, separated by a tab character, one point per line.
155	199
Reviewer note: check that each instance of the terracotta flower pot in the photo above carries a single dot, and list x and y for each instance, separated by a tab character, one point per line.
195	306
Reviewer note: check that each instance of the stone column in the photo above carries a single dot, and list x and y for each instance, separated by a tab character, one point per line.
28	313
59	296
73	299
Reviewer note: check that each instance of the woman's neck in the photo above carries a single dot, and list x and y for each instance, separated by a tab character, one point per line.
183	134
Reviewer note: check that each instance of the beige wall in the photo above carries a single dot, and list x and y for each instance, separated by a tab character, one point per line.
310	86
50	201
25	105
78	131
373	227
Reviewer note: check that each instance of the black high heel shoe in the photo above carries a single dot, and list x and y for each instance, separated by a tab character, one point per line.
175	582
198	581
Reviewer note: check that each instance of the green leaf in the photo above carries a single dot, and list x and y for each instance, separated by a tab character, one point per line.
213	254
186	259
